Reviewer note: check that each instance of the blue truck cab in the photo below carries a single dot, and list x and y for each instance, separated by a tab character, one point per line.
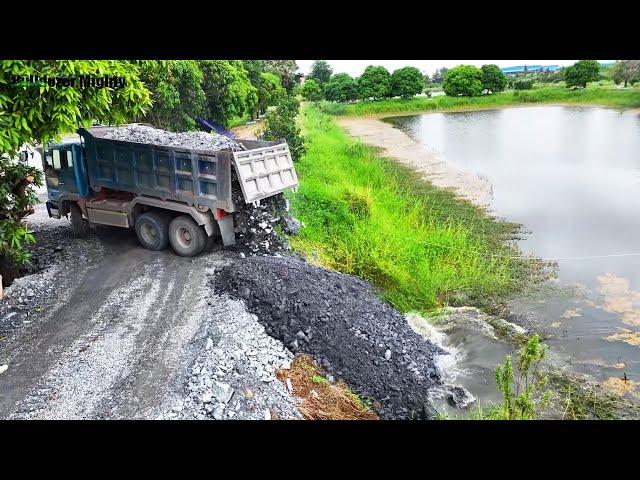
169	194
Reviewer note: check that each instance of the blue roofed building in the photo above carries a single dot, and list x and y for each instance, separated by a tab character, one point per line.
530	68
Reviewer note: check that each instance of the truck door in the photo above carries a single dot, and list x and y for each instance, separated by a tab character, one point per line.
59	172
67	173
52	164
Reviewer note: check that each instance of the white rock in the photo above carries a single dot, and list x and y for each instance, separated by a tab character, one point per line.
209	344
267	415
3	368
387	355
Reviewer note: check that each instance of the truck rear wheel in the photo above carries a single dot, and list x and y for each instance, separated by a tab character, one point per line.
79	225
186	236
152	230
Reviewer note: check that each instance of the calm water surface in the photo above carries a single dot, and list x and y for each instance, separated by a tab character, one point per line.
571	176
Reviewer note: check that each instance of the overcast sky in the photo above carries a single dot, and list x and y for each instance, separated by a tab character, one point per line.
356	67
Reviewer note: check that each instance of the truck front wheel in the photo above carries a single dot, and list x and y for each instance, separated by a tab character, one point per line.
79	225
186	236
152	230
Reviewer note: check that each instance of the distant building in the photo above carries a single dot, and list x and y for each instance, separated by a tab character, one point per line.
529	68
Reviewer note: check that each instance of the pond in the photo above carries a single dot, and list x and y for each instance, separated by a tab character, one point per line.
571	177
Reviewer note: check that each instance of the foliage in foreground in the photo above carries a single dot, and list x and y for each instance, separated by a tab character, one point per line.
372	217
37	112
280	123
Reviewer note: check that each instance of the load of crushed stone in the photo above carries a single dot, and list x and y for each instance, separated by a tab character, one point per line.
155	136
339	320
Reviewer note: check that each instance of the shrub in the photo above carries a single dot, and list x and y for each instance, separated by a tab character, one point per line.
524	395
463	80
523	85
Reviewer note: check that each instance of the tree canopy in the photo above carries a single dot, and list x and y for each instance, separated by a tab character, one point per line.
341	88
407	82
374	82
581	73
493	79
229	93
321	72
311	90
463	80
627	71
177	93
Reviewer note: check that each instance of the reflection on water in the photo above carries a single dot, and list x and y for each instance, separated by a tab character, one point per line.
571	176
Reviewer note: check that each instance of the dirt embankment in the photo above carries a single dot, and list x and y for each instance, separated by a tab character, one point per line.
400	146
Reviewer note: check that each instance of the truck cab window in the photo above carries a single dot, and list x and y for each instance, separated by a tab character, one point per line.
69	158
56	160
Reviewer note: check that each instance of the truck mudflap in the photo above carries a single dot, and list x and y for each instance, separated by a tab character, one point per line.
265	171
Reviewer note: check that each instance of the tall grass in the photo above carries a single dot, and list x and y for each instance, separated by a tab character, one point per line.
596	95
372	217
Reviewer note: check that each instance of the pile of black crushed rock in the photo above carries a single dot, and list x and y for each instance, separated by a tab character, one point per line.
340	321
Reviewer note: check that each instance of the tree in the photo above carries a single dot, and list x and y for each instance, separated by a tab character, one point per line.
229	93
581	73
463	80
38	110
438	76
374	82
311	90
177	93
341	88
320	72
285	69
407	82
493	79
280	123
626	71
270	91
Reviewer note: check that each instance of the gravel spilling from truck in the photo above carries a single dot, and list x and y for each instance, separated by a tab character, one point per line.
156	136
340	321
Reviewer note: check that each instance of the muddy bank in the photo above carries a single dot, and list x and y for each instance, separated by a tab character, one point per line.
400	146
340	321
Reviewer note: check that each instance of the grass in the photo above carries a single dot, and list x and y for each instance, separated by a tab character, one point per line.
321	399
375	218
594	95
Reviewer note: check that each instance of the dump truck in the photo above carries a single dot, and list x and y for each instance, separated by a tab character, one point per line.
169	194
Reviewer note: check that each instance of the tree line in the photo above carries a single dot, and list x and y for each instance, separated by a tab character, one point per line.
375	82
464	80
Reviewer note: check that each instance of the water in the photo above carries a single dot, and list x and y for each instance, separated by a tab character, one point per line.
571	176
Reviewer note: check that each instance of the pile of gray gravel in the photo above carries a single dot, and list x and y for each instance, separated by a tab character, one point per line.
233	375
155	136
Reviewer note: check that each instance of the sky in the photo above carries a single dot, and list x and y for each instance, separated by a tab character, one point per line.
356	67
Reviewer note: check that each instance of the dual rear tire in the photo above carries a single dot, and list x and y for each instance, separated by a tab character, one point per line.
155	231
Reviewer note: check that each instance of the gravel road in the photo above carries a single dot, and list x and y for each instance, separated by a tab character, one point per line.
111	330
101	328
